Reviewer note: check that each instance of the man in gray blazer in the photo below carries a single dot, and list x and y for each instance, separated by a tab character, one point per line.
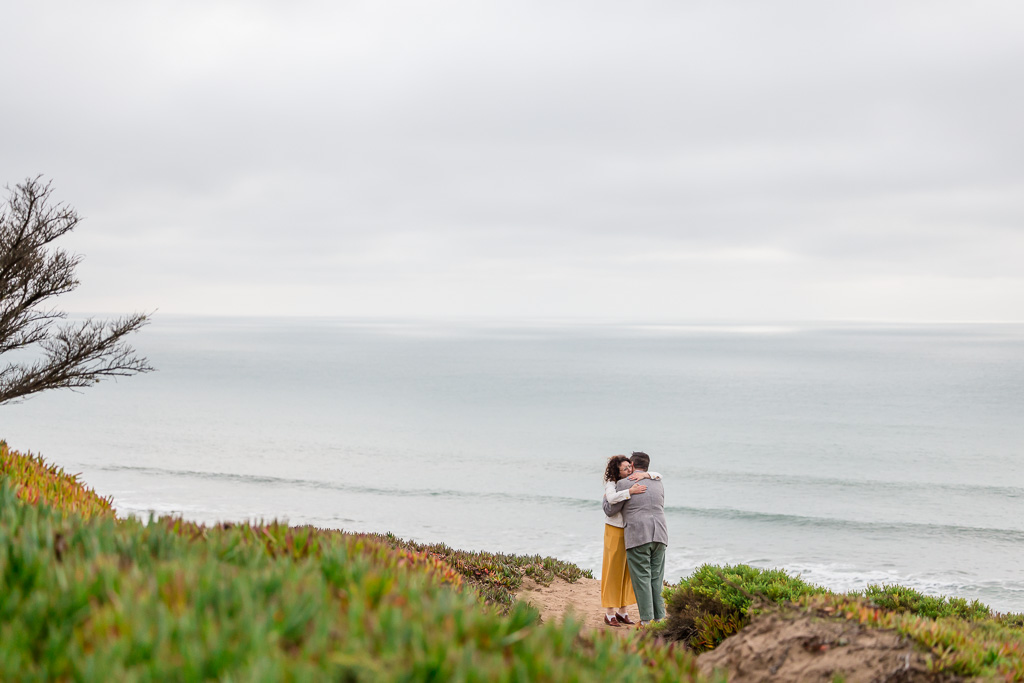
646	539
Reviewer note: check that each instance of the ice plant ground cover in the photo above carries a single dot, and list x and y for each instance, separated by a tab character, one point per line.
105	599
88	596
39	482
964	637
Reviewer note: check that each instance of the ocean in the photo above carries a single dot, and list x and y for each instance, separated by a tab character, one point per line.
848	454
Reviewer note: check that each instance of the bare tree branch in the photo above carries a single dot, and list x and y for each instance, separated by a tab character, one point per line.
31	273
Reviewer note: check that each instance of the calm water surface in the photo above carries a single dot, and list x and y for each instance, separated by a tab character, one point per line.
849	454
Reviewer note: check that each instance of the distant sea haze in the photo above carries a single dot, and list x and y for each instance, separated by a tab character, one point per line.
850	454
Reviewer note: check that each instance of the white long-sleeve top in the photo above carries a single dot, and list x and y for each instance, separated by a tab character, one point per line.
613	496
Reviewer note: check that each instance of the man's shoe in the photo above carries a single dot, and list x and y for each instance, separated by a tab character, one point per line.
624	619
609	621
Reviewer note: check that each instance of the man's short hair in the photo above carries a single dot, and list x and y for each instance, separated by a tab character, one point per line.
640	460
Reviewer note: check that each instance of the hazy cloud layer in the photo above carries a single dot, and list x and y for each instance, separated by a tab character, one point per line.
625	160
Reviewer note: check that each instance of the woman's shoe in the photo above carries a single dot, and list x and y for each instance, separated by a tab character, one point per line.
610	621
624	619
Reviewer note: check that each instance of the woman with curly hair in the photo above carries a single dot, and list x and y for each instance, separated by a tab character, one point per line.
616	584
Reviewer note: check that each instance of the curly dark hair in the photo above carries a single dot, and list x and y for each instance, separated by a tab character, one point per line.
611	472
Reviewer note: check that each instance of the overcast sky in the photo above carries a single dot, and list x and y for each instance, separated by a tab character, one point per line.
628	160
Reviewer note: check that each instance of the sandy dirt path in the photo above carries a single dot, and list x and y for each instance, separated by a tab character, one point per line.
582	598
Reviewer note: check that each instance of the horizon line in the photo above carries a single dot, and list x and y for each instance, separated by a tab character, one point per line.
583	319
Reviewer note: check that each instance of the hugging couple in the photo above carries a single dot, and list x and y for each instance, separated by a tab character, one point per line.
635	540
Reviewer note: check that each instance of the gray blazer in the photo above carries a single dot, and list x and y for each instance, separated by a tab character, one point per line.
643	513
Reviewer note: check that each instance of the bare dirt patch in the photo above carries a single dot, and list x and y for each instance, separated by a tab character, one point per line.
785	644
582	599
796	646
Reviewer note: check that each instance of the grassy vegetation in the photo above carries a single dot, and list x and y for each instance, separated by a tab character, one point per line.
86	596
965	637
901	599
497	576
99	598
37	482
976	645
715	602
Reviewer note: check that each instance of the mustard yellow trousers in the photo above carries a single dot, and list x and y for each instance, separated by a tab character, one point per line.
616	585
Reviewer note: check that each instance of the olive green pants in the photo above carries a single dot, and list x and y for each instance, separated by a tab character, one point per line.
647	569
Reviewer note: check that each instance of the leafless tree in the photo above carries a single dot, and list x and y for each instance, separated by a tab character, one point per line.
51	355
